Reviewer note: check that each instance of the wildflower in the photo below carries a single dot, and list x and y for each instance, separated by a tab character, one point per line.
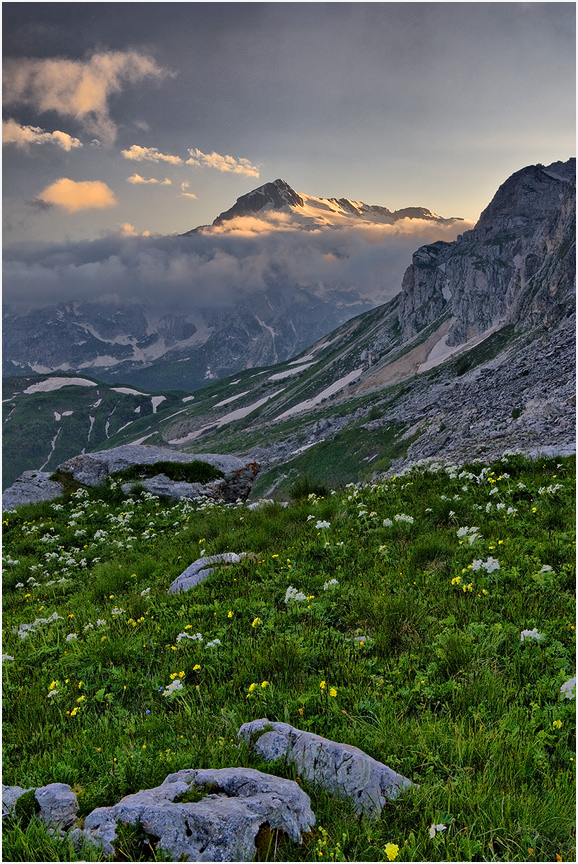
214	643
568	688
252	687
196	667
401	517
387	523
456	580
321	524
229	614
7	657
531	634
546	568
391	850
332	692
52	693
256	622
172	688
330	583
145	592
293	594
557	724
264	684
435	829
322	685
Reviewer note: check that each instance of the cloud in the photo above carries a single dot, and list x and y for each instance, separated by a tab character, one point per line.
149	154
74	196
184	190
222	163
80	89
183	274
25	136
128	230
136	179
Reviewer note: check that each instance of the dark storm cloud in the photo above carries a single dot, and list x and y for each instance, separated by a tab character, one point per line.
181	273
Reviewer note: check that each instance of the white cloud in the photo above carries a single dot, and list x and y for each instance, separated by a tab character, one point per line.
82	195
184	190
77	88
149	154
24	136
136	179
222	163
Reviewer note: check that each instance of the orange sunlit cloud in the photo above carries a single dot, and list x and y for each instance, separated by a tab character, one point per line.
149	154
136	179
77	88
128	230
23	136
74	196
184	190
222	163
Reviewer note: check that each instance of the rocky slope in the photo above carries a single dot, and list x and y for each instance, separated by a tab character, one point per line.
475	356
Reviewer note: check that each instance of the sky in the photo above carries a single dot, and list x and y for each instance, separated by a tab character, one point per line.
129	119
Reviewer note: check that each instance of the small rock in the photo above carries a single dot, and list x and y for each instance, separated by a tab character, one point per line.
341	769
58	805
199	570
10	795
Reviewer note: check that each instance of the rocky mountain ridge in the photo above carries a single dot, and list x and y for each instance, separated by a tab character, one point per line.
311	212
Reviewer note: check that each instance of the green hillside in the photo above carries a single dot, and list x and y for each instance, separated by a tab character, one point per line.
409	643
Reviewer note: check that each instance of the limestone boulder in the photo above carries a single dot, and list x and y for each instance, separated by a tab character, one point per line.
56	803
30	488
340	769
201	569
222	826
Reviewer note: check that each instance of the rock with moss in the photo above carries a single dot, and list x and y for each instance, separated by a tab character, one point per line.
235	805
54	804
340	769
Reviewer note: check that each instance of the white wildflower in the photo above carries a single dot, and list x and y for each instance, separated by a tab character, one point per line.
531	634
71	636
117	611
321	524
402	517
511	510
330	583
213	644
546	568
175	685
500	506
194	636
52	693
435	829
387	523
145	592
293	594
568	688
7	657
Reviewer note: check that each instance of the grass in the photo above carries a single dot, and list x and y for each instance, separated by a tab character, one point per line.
441	689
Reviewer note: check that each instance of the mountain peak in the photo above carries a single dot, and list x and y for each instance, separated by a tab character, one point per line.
277	194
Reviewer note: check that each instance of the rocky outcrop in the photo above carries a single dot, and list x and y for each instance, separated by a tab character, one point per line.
30	488
55	804
93	470
341	769
516	266
235	804
200	570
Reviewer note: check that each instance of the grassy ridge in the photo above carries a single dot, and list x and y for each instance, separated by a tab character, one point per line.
441	687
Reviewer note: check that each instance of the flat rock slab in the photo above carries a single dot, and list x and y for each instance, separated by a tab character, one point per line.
222	826
56	803
92	469
200	570
341	769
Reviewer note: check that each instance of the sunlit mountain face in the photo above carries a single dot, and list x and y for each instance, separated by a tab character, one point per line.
277	207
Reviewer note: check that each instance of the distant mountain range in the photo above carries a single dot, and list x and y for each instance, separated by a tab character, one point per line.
474	356
140	344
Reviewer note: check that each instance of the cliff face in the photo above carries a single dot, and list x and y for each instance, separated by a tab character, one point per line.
516	266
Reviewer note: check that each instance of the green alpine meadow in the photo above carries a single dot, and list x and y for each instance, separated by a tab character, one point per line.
427	619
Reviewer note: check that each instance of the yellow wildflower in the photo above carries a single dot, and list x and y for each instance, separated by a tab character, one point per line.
391	850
